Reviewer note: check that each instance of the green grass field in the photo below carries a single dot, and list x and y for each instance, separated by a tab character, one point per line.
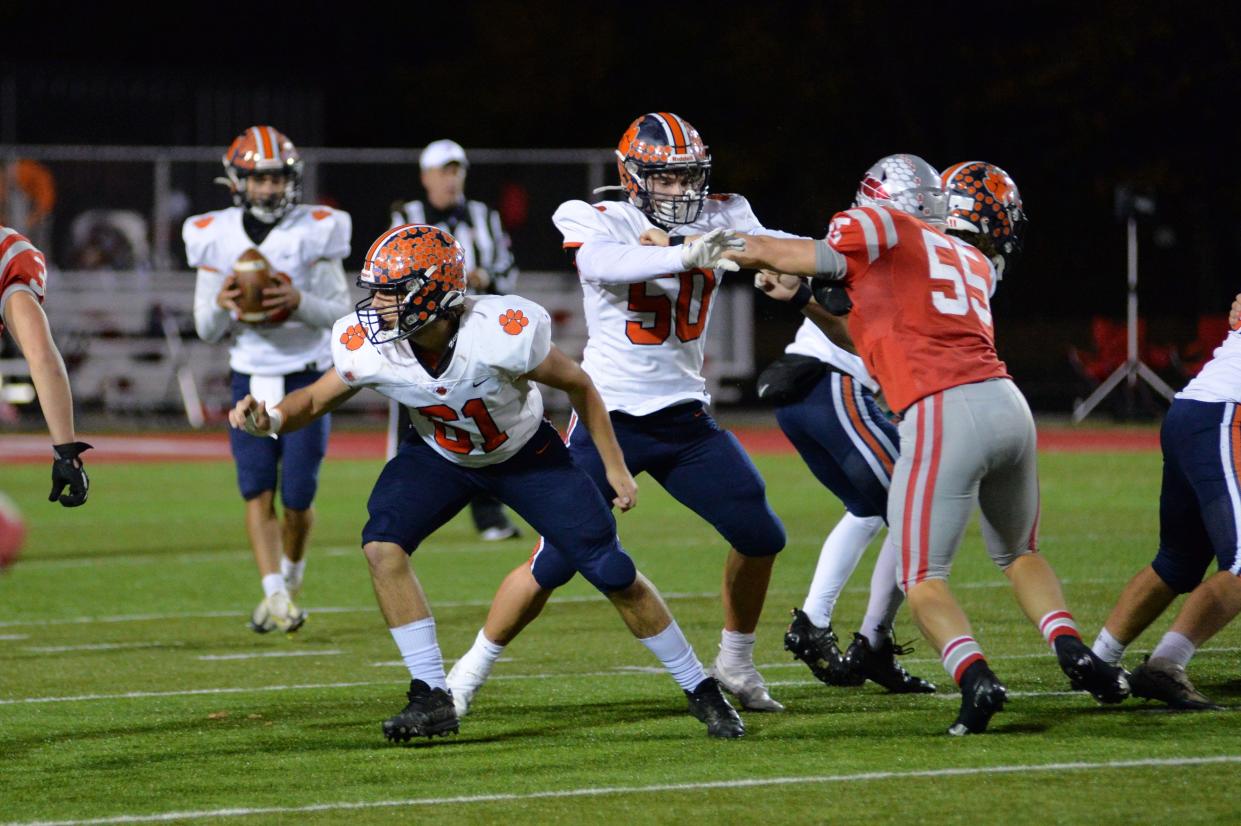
131	691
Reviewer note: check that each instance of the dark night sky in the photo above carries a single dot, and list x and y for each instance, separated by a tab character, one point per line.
795	100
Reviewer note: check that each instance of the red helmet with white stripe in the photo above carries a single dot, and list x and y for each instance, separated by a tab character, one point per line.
420	269
263	150
663	144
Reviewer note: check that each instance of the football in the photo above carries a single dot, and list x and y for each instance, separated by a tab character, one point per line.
253	274
12	532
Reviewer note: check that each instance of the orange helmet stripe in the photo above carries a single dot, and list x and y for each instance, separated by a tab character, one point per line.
675	129
268	142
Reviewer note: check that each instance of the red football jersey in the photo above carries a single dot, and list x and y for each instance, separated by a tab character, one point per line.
921	316
20	264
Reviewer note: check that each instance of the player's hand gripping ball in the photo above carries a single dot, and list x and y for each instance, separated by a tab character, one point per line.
12	532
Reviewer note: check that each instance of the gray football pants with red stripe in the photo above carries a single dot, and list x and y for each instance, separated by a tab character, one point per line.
974	443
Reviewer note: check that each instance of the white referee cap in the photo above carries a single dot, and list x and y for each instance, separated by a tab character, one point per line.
441	153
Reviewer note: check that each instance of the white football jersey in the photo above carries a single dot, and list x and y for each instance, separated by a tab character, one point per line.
645	338
213	243
1220	378
813	342
478	410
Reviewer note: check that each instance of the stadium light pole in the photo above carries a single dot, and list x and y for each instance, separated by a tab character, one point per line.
1130	206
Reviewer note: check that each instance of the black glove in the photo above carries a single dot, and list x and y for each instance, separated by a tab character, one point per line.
832	296
67	471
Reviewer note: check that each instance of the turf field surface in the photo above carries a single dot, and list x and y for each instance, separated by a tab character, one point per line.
130	690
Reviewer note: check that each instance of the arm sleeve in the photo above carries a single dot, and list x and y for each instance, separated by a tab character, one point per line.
827	262
211	321
612	262
503	269
327	297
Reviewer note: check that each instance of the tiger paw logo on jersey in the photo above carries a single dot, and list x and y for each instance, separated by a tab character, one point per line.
354	337
513	322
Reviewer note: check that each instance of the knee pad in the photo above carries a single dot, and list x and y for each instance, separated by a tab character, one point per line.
612	570
1177	572
764	537
549	567
299	494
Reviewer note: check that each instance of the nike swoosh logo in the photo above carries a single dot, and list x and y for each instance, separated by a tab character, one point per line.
763	389
543	448
484	381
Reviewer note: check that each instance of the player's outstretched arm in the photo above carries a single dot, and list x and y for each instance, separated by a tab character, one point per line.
295	410
795	256
1234	314
561	372
25	318
30	327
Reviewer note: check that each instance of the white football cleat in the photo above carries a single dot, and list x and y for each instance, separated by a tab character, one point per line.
277	613
260	618
747	685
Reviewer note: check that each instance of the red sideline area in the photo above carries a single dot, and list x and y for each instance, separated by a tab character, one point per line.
213	447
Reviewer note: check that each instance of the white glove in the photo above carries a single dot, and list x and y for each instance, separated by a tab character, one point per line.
706	252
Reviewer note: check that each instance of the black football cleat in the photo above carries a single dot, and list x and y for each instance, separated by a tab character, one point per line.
880	666
708	704
1158	678
818	648
1087	672
430	713
982	695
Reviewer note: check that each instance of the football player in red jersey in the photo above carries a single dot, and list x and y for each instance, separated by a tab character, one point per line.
922	323
23	280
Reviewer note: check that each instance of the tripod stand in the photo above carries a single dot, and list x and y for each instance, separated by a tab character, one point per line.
1133	368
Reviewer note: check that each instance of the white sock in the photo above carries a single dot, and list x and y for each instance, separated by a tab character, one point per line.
886	596
674	651
1108	648
839	556
273	584
292	571
1175	647
482	655
736	649
421	651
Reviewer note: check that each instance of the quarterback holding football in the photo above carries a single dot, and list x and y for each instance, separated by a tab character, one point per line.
271	277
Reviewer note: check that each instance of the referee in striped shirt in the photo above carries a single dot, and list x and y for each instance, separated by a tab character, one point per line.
488	266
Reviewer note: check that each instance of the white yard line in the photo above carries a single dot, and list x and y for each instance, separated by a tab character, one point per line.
472	603
601	791
135	695
329	652
102	646
12	637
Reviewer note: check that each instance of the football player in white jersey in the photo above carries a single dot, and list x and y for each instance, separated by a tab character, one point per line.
1199	519
647	308
466	367
286	350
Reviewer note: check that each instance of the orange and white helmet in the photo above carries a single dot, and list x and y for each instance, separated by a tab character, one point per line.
907	183
664	143
424	267
984	207
264	150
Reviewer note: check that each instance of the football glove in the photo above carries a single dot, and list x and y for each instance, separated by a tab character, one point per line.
832	296
68	471
706	252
